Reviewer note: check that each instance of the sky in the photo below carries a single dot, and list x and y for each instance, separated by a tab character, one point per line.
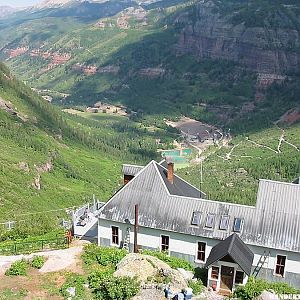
18	3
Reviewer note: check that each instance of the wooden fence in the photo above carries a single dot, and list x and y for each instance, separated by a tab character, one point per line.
15	248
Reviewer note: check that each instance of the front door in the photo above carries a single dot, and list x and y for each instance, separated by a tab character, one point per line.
227	277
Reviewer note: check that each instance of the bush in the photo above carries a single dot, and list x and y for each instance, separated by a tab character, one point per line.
76	281
196	285
38	261
117	288
102	255
172	261
96	277
254	287
18	268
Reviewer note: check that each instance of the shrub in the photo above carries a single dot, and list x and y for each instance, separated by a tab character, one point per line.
196	285
117	288
38	261
96	277
102	255
172	261
76	281
202	274
254	287
18	268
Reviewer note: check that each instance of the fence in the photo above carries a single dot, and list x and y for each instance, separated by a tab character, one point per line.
15	248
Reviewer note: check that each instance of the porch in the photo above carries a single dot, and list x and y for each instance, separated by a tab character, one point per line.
229	265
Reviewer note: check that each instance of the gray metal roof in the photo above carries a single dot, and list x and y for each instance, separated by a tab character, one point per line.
131	169
264	225
297	180
179	187
236	249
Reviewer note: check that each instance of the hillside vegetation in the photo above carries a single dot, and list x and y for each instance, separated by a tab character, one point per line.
157	58
51	160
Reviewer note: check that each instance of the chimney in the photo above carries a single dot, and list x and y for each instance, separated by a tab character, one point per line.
170	174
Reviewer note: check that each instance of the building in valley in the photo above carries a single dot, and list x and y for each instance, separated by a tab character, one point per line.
233	241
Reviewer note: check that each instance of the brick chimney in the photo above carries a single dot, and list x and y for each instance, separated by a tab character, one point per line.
170	174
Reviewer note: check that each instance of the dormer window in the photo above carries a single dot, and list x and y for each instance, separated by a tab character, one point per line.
196	218
224	222
210	221
238	224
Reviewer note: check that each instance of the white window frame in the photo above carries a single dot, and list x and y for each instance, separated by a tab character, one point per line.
219	273
111	239
214	223
160	243
286	258
196	255
228	222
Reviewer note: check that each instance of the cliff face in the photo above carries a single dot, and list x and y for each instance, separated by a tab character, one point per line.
208	33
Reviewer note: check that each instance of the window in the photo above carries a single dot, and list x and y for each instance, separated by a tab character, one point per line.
280	265
196	219
224	223
201	251
115	235
239	277
210	220
165	243
215	273
237	225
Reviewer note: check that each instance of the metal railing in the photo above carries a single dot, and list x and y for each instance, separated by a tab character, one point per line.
15	248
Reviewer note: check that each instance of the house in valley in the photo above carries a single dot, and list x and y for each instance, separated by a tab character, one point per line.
232	241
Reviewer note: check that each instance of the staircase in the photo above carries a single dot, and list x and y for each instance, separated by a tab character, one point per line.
262	260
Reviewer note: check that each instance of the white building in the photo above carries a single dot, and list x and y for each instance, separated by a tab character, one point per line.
233	241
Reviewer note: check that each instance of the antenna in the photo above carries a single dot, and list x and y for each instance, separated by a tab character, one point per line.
201	174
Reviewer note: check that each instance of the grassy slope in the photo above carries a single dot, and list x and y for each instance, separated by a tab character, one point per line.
86	159
236	179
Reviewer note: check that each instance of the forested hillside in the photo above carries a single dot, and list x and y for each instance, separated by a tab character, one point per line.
217	61
52	160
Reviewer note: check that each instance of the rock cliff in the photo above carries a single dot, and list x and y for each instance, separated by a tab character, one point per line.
211	31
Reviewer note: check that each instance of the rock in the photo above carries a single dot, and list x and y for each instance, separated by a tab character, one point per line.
213	35
150	270
265	295
36	183
71	291
23	166
187	275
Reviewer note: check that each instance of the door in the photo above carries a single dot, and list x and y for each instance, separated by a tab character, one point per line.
227	277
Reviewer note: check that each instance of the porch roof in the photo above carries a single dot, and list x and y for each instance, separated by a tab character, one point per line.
236	249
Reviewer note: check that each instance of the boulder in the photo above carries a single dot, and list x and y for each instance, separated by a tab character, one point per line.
265	295
149	270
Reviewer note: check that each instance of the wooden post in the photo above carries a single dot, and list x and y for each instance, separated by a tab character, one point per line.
136	224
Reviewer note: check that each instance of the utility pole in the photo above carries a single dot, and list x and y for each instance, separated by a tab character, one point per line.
136	225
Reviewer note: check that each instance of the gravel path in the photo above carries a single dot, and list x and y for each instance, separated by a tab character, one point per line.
56	259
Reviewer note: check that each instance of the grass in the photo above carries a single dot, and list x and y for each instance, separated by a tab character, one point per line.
236	179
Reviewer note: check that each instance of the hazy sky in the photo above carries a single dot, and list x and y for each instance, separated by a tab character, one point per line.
18	3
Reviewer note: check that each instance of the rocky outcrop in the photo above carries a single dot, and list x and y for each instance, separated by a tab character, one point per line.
152	72
8	107
150	271
209	33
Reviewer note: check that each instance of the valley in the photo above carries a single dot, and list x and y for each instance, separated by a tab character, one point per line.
145	59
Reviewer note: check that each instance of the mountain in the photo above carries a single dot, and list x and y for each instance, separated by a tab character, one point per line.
260	35
224	62
6	10
51	160
53	3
